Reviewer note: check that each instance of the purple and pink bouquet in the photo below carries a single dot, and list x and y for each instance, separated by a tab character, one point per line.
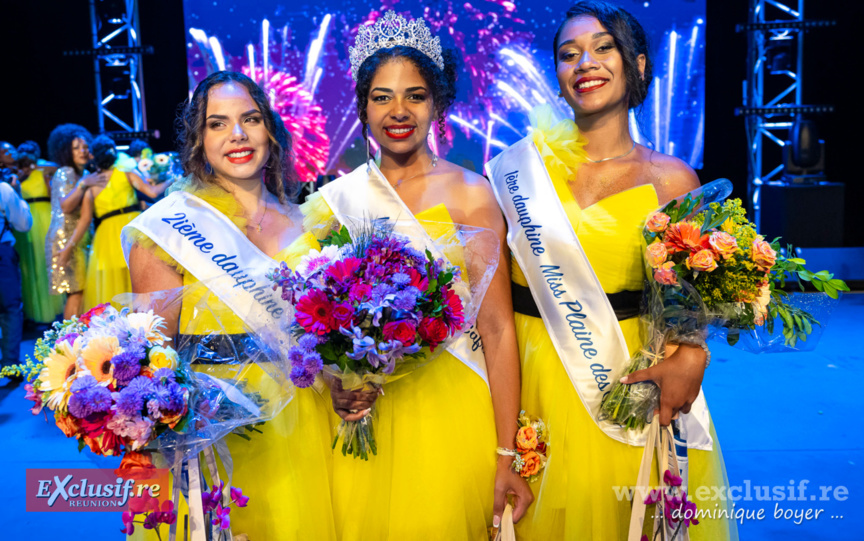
368	310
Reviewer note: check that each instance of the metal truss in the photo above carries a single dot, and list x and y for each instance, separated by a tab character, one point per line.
772	91
117	52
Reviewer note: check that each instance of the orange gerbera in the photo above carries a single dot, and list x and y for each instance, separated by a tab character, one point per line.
685	237
58	372
97	357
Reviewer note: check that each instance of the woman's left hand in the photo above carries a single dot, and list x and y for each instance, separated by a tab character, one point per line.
510	483
679	377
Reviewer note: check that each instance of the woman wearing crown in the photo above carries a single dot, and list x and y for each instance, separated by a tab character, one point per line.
436	473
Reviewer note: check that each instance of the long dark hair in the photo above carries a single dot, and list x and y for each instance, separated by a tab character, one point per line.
630	38
442	83
279	175
60	143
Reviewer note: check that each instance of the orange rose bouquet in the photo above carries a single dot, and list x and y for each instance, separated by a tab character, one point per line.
532	443
707	267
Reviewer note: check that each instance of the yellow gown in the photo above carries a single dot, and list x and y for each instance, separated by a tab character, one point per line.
39	304
433	476
286	469
107	274
576	498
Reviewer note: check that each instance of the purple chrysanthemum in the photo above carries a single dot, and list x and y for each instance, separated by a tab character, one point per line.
312	362
308	342
400	279
406	299
153	408
301	377
295	355
165	375
131	399
83	383
170	397
89	400
127	365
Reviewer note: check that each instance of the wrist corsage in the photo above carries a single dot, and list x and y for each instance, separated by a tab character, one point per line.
532	442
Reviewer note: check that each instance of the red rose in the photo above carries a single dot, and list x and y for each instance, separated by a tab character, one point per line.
433	331
343	315
359	292
404	331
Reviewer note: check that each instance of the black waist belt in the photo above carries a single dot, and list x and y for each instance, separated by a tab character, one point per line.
624	303
37	199
215	348
131	208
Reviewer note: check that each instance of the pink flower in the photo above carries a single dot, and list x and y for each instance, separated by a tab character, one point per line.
671	479
36	396
359	292
128	523
342	270
656	254
315	312
666	275
238	497
763	255
723	244
657	222
222	517
703	260
454	315
343	315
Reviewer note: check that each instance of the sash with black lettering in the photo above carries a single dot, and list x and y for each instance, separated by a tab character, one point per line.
208	245
365	192
571	301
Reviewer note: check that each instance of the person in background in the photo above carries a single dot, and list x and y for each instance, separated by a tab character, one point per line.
40	305
111	207
8	156
69	147
140	150
14	215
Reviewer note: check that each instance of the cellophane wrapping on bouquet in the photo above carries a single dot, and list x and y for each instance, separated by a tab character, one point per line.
239	375
379	300
710	274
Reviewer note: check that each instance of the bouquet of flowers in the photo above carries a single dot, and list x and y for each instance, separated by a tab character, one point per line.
707	266
110	380
370	309
532	441
162	167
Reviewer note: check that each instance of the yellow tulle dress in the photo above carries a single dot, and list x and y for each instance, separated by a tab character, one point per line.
433	476
107	274
39	304
576	498
286	469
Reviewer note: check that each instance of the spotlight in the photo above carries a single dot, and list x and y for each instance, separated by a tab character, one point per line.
804	154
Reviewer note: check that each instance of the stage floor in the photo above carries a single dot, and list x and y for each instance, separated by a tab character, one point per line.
782	419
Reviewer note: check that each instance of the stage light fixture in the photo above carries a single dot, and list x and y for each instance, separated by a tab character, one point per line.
804	154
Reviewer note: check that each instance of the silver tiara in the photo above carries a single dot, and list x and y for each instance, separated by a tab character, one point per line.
390	31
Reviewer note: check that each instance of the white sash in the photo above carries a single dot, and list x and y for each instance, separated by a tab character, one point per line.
361	193
573	305
210	246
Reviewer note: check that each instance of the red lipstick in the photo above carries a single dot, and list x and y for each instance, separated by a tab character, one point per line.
404	135
591	88
241	159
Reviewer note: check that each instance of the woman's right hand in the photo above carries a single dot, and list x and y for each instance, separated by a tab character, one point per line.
350	405
64	256
95	180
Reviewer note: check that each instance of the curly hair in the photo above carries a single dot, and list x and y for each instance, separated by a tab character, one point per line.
60	143
280	178
28	153
442	83
104	152
136	147
630	38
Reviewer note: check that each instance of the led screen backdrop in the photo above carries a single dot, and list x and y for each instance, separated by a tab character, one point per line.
298	52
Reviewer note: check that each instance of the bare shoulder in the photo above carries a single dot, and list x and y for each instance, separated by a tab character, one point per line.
470	194
671	176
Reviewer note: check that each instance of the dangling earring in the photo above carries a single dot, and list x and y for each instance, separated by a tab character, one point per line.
560	94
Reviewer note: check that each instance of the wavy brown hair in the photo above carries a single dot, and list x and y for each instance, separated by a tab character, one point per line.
280	179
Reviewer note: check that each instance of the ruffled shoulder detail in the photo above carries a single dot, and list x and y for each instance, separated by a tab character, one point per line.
560	143
220	199
318	217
